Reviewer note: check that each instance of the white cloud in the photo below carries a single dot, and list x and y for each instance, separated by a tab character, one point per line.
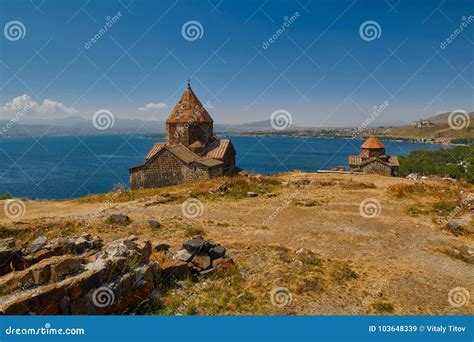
151	106
19	103
50	106
26	104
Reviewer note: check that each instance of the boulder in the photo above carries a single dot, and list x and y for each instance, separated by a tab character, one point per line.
162	247
455	227
119	219
154	224
217	252
183	255
175	269
37	244
202	260
252	194
194	246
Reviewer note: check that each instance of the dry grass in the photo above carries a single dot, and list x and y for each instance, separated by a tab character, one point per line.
349	264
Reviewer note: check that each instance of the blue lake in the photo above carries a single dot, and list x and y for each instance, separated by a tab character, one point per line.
74	166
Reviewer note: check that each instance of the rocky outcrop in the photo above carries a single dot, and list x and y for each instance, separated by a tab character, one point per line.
82	276
197	257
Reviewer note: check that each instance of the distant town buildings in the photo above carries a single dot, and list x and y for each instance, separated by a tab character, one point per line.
191	152
422	123
372	159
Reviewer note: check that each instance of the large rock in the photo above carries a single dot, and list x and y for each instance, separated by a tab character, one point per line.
37	244
183	255
162	247
217	252
194	246
202	260
175	269
154	224
119	219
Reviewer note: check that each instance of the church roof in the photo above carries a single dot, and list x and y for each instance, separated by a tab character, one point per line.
154	150
218	148
372	142
189	109
358	161
183	153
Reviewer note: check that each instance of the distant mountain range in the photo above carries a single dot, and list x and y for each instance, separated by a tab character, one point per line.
76	125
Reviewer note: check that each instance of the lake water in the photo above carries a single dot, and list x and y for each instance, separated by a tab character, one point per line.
74	166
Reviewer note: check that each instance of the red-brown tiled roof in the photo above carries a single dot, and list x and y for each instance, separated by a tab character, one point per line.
189	109
372	142
219	148
183	153
154	150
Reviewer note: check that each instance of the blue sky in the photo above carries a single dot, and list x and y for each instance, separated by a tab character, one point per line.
319	68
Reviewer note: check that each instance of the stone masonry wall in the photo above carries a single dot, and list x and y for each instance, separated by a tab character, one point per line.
166	170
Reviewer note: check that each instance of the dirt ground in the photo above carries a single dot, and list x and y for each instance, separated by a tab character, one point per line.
306	235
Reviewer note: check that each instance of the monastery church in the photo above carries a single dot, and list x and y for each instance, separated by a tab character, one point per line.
191	152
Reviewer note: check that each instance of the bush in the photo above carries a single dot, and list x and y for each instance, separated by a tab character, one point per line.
5	196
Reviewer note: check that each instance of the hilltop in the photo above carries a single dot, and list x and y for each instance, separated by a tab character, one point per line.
439	131
340	244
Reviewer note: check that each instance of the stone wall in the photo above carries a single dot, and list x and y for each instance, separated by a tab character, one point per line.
189	132
81	276
166	169
376	167
91	282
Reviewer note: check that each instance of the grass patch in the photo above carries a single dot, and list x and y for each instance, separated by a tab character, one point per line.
417	211
383	307
342	273
191	231
305	202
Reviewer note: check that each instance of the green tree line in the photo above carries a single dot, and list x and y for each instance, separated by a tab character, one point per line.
456	162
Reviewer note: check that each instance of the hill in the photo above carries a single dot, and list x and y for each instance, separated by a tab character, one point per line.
439	131
332	244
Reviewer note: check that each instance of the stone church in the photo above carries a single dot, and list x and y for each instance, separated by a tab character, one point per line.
191	152
372	159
